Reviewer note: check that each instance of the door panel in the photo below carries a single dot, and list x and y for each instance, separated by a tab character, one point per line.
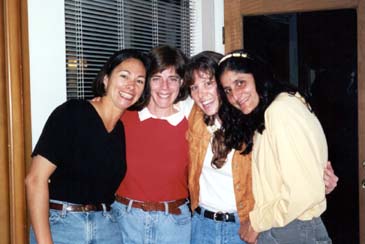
317	51
233	30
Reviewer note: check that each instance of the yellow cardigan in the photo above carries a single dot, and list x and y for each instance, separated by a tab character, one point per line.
288	160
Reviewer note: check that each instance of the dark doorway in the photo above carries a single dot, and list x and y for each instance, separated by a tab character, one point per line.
317	52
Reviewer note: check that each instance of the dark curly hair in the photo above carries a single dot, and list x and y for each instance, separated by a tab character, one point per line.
239	128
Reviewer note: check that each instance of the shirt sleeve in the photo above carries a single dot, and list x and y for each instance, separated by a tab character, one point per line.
53	139
299	148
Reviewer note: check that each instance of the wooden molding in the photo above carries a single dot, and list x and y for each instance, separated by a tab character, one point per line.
259	7
234	10
15	121
4	176
233	28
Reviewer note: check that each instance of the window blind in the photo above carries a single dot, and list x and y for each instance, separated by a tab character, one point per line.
97	28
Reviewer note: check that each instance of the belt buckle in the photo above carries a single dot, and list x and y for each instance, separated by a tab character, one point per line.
143	206
215	216
146	206
87	208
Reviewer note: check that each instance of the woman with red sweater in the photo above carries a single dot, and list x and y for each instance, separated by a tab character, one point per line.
152	199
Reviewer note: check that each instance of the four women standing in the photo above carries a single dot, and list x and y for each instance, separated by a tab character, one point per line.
151	203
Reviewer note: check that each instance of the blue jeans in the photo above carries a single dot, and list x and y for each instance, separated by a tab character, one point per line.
209	231
308	232
153	227
82	227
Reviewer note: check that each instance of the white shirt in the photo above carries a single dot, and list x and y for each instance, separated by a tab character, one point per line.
216	185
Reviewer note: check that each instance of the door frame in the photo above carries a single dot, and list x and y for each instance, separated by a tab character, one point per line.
15	123
234	10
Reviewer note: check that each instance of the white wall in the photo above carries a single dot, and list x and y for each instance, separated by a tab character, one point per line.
47	60
218	25
47	51
209	26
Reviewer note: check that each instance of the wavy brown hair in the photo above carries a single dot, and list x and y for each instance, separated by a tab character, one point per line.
207	62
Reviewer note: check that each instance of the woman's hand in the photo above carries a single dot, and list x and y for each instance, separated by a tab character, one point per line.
329	177
247	233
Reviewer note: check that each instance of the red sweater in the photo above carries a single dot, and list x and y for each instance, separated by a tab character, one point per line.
157	159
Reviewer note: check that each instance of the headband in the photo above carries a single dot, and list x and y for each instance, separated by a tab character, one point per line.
234	55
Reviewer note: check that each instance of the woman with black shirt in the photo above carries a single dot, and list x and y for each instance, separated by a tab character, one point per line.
79	159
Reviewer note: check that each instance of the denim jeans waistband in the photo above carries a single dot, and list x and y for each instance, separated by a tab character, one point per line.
171	207
72	207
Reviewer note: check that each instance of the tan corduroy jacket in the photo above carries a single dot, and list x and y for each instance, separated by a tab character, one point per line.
199	137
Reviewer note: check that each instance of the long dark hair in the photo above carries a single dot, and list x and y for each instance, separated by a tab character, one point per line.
207	62
238	127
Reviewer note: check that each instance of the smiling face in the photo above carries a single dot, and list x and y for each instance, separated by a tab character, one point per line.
204	92
165	87
240	89
125	84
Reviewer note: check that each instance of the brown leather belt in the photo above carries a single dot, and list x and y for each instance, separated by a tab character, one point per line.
80	207
173	206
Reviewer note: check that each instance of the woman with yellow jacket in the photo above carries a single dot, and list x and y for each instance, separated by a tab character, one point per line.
220	184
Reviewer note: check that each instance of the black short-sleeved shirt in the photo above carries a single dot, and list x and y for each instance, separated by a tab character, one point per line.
90	161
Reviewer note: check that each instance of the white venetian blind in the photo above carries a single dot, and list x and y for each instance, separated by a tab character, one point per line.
97	28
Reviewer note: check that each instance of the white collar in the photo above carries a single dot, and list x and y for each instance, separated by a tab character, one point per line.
173	119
